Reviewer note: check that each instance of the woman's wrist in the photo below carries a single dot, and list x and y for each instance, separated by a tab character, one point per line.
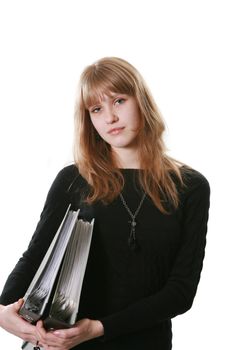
98	329
1	310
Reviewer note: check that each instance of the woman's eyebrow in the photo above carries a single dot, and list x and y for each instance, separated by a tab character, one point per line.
114	94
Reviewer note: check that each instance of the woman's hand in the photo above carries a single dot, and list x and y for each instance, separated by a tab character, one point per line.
15	324
65	339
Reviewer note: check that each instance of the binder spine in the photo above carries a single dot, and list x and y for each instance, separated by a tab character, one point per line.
54	293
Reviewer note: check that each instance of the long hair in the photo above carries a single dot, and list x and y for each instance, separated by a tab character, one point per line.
93	156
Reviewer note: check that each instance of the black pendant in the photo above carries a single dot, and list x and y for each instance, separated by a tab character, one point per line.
132	241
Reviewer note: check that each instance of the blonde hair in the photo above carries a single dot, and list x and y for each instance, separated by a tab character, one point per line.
92	155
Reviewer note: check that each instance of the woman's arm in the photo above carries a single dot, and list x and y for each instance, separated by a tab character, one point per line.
56	204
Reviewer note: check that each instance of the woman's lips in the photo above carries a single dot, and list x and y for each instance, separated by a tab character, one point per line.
115	131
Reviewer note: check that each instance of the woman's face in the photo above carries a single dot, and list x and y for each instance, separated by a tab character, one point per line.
117	120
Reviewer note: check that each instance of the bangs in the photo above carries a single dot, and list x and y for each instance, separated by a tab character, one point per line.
97	83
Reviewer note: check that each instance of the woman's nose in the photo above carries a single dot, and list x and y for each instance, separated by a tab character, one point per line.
111	116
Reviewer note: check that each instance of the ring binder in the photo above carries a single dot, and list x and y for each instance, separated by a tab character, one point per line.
55	290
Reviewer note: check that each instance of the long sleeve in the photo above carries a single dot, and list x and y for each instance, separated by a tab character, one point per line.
54	209
176	296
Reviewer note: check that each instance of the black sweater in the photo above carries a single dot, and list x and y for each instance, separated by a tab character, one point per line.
133	293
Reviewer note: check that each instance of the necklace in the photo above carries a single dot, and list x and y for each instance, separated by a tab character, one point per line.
132	242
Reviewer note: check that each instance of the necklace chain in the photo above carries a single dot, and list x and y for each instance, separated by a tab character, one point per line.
132	238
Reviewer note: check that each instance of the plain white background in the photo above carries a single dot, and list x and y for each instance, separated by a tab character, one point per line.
184	51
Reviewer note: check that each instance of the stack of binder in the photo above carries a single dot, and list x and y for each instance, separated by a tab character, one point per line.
55	290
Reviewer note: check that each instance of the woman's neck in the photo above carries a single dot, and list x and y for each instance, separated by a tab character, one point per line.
126	158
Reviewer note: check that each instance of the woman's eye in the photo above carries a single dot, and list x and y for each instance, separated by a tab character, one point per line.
95	110
120	101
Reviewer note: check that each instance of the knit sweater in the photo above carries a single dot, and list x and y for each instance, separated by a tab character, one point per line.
134	293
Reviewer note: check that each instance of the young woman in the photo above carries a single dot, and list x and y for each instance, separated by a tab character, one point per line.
150	227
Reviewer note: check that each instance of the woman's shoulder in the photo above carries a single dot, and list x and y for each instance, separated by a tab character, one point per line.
194	180
69	178
68	171
65	177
